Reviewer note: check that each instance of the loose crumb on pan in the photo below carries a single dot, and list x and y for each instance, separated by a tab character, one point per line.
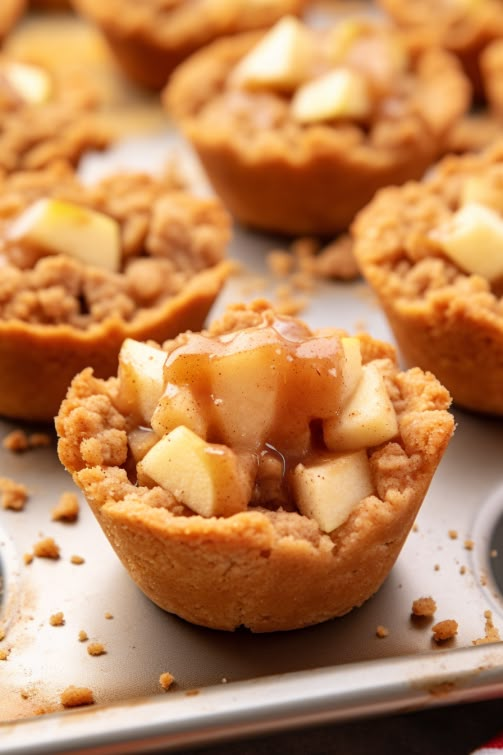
13	494
96	648
382	631
46	548
2	633
77	560
66	509
28	558
469	545
424	607
453	534
108	615
18	441
166	680
39	440
72	696
494	553
83	636
491	632
436	567
445	630
462	569
57	619
304	264
4	654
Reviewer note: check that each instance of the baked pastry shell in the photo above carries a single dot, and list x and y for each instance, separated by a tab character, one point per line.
267	571
148	55
38	361
317	185
10	12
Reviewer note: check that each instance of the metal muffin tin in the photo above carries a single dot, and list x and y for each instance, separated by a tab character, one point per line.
232	684
228	684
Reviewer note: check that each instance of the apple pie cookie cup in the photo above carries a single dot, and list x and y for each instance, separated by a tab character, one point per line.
465	29
151	38
83	268
433	253
282	164
269	539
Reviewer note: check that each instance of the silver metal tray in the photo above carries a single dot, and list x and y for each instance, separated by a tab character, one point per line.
232	684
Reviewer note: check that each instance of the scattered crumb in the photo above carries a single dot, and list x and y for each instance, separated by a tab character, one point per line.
28	558
67	508
13	494
453	534
469	545
108	615
381	631
483	580
444	630
494	553
223	680
166	680
77	560
96	648
4	654
491	632
19	441
72	697
424	607
39	440
437	567
83	636
192	692
16	441
415	527
57	619
462	569
46	548
2	633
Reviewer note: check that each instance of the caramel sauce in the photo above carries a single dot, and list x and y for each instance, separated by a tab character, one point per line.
287	374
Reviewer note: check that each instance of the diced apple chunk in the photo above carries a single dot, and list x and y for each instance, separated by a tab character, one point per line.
473	239
245	389
140	441
486	190
351	367
179	406
330	489
140	378
280	61
339	94
368	418
208	478
30	82
59	227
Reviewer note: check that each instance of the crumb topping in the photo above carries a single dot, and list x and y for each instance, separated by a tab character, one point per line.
166	235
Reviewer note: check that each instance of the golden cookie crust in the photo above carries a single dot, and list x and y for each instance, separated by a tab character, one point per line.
149	39
53	319
276	175
261	569
443	319
466	33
